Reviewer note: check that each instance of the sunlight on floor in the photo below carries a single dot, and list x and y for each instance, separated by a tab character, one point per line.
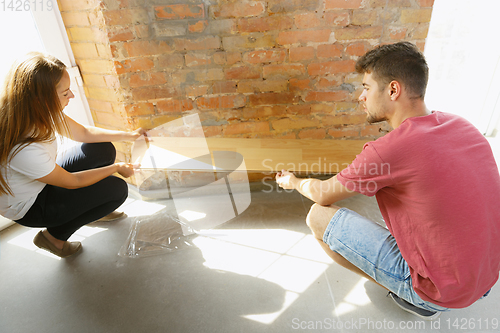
274	255
134	207
355	298
25	240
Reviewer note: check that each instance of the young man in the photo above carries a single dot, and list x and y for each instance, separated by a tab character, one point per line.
437	186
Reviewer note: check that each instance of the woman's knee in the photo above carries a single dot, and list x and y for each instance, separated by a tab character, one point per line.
105	152
116	189
319	217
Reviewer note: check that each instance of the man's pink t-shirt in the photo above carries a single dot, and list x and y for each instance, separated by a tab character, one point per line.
438	189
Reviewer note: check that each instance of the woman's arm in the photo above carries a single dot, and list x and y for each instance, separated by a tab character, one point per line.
90	134
323	192
73	180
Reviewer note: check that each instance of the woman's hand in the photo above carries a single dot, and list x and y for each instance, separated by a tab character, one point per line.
126	169
286	180
137	133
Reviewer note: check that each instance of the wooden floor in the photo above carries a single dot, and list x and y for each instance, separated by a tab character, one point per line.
322	156
260	155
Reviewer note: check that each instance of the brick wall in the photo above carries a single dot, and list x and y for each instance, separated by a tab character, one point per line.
267	69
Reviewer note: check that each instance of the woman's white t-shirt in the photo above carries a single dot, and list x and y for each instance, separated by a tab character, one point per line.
34	161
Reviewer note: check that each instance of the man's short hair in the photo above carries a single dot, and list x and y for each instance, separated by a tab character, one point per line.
402	62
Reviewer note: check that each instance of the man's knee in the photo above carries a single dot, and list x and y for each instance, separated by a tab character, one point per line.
319	217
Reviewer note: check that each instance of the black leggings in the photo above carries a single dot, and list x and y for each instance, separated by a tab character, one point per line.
63	211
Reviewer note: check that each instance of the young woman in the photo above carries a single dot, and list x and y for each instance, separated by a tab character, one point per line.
39	186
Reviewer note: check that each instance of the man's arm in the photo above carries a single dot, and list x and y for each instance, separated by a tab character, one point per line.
323	192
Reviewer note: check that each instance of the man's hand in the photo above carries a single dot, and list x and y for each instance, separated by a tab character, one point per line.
286	180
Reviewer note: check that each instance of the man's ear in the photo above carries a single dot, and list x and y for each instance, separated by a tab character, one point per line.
395	90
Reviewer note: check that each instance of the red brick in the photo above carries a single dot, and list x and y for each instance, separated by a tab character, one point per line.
242	72
312	134
397	33
290	6
371	131
133	65
307	21
284	71
75	18
152	93
175	60
264	112
68	5
221	102
344	119
145	79
142	30
328	82
265	56
259	24
330	50
273	98
233	58
326	96
343	4
220	58
332	67
301	53
196	91
121	35
194	60
146	48
239	9
337	18
299	109
349	132
365	17
96	105
140	109
419	31
426	3
287	124
348	33
324	108
174	105
212	131
357	49
254	41
197	75
416	15
298	85
179	11
246	127
205	43
199	26
224	87
256	86
117	17
293	37
389	4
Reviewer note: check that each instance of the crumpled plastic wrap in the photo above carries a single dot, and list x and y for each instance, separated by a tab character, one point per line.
155	234
207	188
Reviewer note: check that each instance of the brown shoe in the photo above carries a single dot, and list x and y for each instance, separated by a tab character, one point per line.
69	248
112	217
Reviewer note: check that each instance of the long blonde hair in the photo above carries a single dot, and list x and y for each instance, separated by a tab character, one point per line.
30	110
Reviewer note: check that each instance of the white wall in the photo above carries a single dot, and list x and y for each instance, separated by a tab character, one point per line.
463	53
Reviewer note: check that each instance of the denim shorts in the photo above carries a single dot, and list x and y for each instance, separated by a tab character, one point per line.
373	249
